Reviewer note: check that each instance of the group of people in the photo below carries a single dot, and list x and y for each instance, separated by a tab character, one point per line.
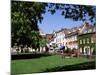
28	49
21	49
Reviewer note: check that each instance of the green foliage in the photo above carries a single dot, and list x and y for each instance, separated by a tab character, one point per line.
24	22
73	50
85	37
68	50
43	42
35	37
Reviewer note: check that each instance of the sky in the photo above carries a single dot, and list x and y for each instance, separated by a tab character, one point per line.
55	22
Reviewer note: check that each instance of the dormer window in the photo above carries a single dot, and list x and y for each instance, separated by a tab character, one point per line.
84	41
90	30
69	32
85	31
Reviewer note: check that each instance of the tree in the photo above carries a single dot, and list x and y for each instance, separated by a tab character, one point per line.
43	41
24	22
35	38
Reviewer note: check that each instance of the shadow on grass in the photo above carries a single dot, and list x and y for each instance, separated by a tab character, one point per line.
82	66
29	56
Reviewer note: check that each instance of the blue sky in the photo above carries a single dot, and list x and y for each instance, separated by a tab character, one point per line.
55	22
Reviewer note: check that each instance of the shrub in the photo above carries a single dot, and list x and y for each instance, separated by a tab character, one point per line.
73	50
68	50
94	52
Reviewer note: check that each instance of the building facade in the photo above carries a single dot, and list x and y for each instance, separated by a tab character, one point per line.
71	40
82	38
87	40
60	37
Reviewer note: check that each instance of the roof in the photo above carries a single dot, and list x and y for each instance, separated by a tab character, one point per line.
87	28
49	36
62	30
72	34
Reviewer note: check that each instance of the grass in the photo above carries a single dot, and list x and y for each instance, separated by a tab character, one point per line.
48	64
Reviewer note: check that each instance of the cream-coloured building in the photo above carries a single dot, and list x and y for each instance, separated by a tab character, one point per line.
66	37
71	40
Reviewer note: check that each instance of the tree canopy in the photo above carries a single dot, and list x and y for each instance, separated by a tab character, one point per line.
24	19
75	12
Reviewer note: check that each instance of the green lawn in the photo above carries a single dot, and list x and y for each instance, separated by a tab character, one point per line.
45	64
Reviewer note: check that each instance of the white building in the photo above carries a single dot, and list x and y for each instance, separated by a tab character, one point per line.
59	38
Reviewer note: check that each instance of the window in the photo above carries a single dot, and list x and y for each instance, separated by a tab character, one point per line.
80	41
84	41
93	40
85	31
87	40
90	30
75	37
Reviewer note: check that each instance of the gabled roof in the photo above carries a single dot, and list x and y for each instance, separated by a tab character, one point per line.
72	34
49	36
86	27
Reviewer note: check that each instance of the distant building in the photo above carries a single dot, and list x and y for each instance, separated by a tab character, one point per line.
42	33
49	36
82	37
66	37
87	39
71	40
59	37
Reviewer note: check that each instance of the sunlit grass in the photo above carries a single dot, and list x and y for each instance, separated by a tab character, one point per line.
43	63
